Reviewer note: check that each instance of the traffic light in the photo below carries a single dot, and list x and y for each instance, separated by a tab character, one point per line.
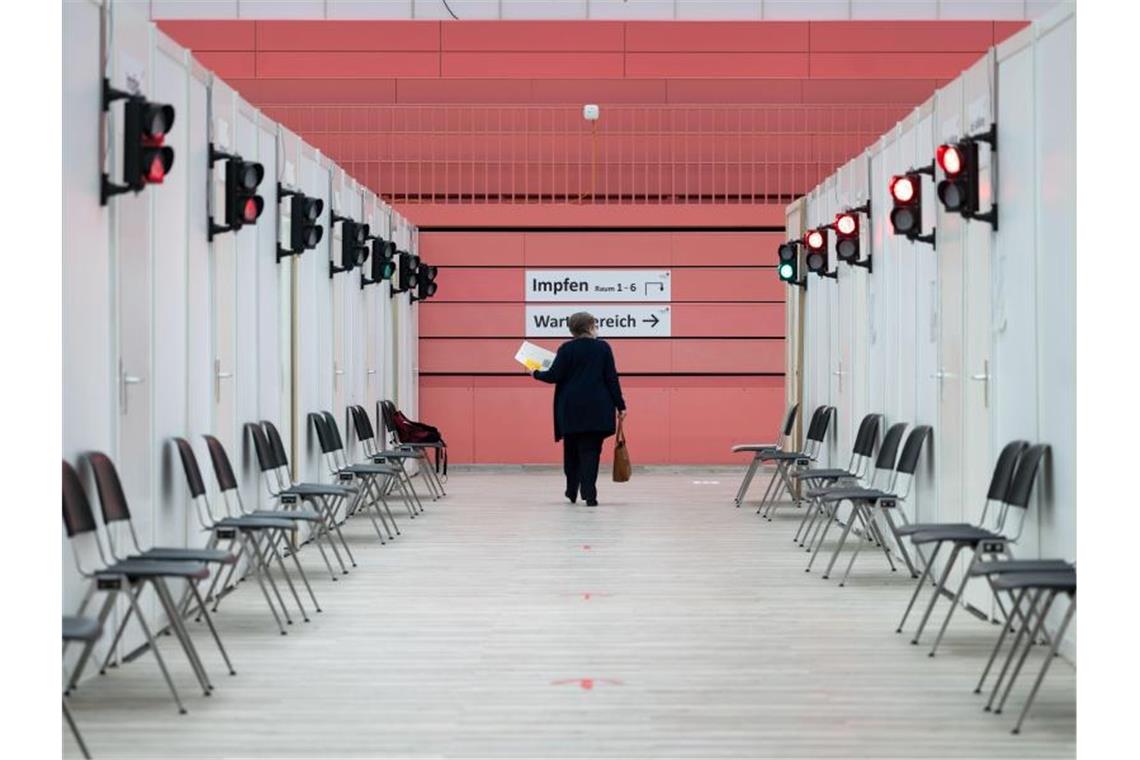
816	243
383	264
242	204
353	249
146	160
959	163
425	283
788	263
846	226
906	197
406	272
304	231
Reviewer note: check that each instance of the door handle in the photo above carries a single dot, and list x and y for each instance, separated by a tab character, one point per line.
371	372
984	377
124	381
219	376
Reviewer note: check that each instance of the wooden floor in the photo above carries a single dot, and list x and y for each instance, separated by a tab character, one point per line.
505	623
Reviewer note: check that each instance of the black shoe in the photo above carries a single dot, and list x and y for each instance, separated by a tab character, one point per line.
591	502
573	499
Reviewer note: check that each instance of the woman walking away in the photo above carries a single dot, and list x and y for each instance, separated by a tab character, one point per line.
587	395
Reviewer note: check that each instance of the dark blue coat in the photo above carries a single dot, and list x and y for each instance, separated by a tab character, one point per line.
587	391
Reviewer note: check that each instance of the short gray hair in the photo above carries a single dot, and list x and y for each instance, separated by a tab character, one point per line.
580	323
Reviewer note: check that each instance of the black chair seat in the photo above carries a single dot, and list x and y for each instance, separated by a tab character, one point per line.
421	445
371	469
968	534
822	473
782	456
145	568
318	489
855	494
172	554
255	522
906	530
80	628
394	454
302	515
999	567
1058	580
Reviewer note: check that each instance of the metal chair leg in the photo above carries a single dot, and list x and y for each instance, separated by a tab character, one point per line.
1005	629
75	731
953	605
918	586
1025	652
1035	599
1045	666
937	592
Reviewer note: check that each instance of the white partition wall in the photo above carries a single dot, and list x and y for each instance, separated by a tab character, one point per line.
168	334
976	336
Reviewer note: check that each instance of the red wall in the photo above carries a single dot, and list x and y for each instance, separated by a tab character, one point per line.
719	379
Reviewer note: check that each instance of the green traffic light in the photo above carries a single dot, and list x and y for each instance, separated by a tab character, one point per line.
787	272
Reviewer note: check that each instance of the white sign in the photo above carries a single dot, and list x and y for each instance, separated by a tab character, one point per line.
633	321
577	285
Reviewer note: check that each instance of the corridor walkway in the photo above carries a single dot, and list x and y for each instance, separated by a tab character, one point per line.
506	623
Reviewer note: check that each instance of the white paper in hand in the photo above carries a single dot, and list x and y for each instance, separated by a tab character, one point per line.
534	357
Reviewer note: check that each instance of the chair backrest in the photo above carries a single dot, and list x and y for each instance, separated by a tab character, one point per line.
867	435
387	414
908	460
1021	487
817	428
275	444
790	420
363	425
223	470
889	448
324	437
266	459
1004	469
112	500
77	515
190	467
334	430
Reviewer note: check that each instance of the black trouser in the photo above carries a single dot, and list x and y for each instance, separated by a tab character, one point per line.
580	455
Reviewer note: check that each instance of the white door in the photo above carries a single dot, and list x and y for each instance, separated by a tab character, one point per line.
223	282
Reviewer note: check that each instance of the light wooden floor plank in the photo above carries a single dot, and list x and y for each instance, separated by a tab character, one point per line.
702	633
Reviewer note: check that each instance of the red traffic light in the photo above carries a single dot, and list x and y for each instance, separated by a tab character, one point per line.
950	158
847	224
252	209
815	240
903	188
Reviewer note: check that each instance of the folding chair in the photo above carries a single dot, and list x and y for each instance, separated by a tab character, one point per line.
872	506
862	455
1049	585
294	513
367	438
998	490
781	441
256	538
982	542
86	630
113	501
824	502
368	495
787	461
386	411
328	498
128	577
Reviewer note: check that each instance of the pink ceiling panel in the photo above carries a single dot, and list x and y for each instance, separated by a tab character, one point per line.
905	91
472	248
735	90
901	36
532	65
729	284
890	65
211	35
523	36
482	91
716	36
582	249
602	91
1006	29
477	284
346	65
228	65
348	35
316	91
692	65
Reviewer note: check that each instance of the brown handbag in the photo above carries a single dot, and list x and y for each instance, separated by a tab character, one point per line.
622	466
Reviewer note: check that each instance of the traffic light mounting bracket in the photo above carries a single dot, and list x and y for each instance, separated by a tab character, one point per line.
990	138
333	219
214	156
107	188
284	192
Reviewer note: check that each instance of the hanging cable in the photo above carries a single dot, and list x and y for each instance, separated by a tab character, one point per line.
445	5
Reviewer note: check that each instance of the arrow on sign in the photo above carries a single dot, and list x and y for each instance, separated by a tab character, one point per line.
653	320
